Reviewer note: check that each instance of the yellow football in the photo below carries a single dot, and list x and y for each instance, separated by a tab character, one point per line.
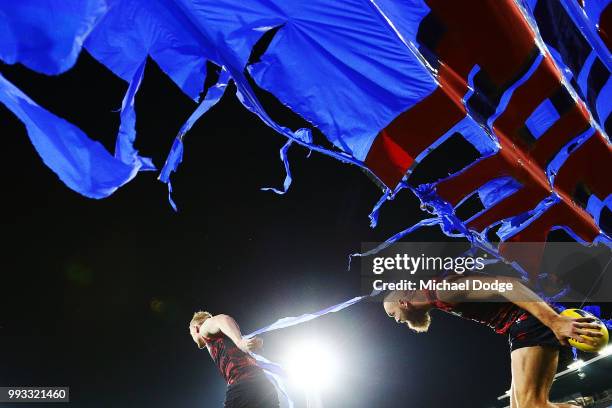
601	341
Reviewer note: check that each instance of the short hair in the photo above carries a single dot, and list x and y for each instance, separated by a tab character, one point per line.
395	295
199	317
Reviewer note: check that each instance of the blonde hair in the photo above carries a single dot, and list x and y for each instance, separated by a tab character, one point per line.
199	317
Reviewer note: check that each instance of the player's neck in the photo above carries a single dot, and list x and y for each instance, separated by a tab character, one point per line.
421	303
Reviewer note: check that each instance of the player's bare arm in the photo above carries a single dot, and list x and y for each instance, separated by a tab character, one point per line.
563	327
227	325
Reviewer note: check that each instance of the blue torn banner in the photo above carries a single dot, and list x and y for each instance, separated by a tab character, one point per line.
175	157
529	95
380	82
83	164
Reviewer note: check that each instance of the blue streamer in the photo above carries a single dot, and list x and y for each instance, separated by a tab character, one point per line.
542	118
302	134
247	97
275	371
507	95
124	146
175	157
84	165
387	196
423	223
497	189
276	374
593	309
292	321
374	214
578	16
288	179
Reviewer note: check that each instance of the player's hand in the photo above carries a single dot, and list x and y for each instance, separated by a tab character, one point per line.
566	328
252	344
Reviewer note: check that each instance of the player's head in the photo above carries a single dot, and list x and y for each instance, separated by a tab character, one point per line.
397	306
194	327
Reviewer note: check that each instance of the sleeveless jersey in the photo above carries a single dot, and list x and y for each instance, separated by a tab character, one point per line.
497	315
233	363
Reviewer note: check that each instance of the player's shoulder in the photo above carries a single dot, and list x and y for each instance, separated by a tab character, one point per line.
457	287
210	327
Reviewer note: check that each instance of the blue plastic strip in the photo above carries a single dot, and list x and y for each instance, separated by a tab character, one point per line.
496	190
276	374
603	103
583	76
274	371
593	309
46	35
593	9
542	118
595	205
124	146
288	179
247	97
175	157
579	17
562	155
374	214
292	321
514	225
450	224
471	131
82	164
470	81
388	195
405	17
565	70
505	99
390	241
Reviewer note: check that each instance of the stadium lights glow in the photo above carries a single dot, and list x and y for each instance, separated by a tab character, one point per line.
606	351
311	366
576	365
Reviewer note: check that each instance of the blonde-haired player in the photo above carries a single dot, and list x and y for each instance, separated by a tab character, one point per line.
247	385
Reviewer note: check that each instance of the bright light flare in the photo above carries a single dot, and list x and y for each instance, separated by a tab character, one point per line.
576	365
312	366
607	351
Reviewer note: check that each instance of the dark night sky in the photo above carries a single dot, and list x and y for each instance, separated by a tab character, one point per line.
97	295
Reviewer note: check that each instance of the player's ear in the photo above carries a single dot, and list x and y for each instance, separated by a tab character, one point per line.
403	303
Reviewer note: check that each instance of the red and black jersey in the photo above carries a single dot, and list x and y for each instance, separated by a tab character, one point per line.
233	363
497	315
